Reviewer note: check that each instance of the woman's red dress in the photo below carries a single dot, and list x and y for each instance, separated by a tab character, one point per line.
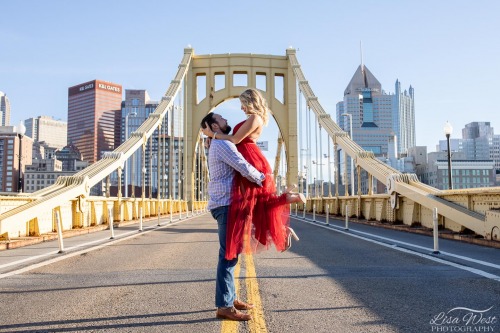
257	216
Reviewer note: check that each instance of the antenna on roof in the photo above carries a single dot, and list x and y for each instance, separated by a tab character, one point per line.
361	53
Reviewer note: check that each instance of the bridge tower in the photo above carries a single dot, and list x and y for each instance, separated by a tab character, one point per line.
226	66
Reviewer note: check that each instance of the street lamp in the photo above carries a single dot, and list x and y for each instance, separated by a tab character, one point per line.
352	160
21	130
448	129
132	113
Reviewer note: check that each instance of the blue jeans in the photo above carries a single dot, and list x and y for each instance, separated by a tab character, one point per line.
225	292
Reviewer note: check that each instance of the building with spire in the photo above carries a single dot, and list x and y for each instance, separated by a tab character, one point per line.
376	115
383	123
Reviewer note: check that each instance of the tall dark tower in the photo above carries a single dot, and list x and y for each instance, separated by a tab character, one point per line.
92	109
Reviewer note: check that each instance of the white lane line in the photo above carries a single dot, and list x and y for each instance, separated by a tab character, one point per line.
480	262
422	255
72	254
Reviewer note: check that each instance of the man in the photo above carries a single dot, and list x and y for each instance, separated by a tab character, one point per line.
223	160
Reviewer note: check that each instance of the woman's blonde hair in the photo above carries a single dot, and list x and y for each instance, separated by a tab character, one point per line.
255	104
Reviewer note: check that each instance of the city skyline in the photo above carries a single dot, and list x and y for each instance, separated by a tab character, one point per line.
449	63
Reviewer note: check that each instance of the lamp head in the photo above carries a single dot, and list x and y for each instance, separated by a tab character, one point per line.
448	129
21	129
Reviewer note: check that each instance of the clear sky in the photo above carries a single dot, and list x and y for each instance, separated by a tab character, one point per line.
448	50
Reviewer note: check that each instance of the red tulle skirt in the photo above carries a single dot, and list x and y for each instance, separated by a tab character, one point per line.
257	217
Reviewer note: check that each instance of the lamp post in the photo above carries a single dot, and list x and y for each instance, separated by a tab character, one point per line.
20	132
448	129
352	161
132	113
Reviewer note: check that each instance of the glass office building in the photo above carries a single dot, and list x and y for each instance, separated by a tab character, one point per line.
136	108
92	110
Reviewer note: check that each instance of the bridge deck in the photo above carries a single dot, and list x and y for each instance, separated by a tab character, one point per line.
162	280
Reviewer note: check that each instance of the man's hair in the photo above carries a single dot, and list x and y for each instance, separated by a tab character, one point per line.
209	119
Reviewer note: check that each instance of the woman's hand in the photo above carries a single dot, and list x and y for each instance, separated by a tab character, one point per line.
208	141
207	131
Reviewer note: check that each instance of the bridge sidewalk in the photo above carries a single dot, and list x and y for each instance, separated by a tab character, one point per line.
20	252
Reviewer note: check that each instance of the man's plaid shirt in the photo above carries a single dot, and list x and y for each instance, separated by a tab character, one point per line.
223	160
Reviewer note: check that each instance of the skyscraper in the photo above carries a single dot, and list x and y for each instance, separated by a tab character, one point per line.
376	115
92	108
478	142
403	113
15	155
43	128
477	129
136	108
381	123
4	110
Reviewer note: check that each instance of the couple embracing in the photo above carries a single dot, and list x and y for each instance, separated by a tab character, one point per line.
242	198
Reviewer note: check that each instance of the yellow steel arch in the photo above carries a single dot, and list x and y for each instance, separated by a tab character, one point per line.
251	65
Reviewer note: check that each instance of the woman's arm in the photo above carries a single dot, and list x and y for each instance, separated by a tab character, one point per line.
249	126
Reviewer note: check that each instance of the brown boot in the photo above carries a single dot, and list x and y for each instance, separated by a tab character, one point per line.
240	305
231	314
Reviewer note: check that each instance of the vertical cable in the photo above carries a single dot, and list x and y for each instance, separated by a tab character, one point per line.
132	170
307	166
301	158
181	155
150	180
316	174
329	168
171	155
321	158
158	159
164	164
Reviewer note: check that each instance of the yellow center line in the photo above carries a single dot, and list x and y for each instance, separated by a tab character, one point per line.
258	323
231	326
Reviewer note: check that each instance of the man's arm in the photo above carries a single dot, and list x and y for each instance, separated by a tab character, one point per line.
231	156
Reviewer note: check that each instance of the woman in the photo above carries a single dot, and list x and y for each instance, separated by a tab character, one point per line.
256	214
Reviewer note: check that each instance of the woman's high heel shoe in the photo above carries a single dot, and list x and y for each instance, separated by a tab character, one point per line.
293	234
290	234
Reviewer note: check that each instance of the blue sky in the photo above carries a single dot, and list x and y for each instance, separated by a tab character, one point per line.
448	50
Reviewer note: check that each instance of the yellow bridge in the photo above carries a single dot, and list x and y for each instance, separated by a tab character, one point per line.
68	205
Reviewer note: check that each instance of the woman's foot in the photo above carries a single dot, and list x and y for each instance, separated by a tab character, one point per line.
295	198
290	234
